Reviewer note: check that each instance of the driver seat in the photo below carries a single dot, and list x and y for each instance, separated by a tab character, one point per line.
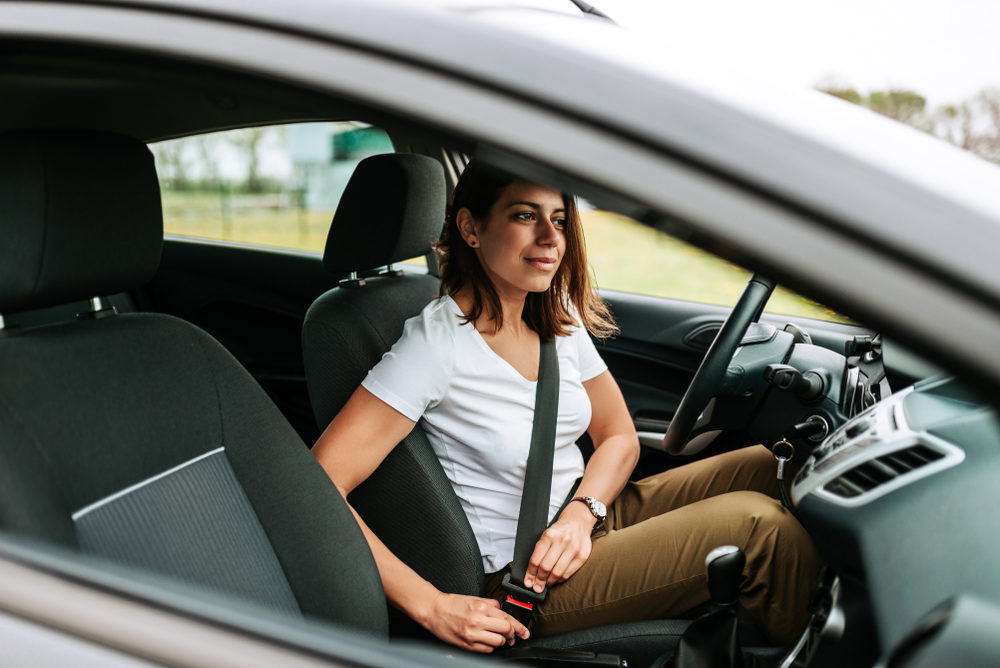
393	209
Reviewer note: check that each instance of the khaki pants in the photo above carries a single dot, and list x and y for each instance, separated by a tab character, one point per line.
648	561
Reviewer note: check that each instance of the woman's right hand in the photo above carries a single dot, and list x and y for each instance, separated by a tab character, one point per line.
473	623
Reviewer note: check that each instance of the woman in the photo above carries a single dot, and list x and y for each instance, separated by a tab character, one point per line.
514	272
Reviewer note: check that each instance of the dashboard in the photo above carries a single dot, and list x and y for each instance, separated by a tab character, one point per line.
902	502
874	453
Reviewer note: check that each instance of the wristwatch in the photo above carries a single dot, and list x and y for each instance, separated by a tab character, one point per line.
597	507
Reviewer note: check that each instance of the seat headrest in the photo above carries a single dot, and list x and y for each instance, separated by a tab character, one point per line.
80	217
392	210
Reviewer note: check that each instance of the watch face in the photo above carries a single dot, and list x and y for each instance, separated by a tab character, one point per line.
598	508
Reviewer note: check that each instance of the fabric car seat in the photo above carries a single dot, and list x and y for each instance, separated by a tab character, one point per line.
392	209
138	437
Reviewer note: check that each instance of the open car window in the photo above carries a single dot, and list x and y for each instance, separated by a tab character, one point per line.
278	186
272	185
628	256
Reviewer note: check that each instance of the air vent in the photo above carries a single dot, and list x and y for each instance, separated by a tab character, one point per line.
881	470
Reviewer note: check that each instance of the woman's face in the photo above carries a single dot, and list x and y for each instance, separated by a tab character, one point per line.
522	241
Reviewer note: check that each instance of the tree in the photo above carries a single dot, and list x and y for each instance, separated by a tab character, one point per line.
905	106
953	123
973	124
207	150
172	163
985	142
849	94
248	141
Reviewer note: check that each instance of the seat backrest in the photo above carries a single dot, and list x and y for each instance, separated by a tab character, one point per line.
392	209
137	436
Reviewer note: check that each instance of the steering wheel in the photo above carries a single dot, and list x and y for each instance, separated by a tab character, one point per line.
713	367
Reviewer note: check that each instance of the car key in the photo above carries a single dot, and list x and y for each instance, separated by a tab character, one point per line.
783	451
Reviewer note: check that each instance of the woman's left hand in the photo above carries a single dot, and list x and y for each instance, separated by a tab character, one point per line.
562	549
565	546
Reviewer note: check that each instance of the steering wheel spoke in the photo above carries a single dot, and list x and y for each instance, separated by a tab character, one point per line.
692	413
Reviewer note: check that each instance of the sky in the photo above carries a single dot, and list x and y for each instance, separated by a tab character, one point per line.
946	51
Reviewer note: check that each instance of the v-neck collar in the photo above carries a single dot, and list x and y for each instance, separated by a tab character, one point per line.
486	346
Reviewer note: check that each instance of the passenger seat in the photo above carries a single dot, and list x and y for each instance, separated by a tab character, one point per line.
137	436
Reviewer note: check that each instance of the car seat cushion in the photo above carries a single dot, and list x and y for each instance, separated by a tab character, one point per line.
640	643
67	454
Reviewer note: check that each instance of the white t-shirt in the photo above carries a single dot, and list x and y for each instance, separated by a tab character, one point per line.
477	411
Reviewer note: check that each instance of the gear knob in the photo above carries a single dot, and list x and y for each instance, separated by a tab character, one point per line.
724	566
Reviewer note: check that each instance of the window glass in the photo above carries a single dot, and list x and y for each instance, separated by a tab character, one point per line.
268	186
630	257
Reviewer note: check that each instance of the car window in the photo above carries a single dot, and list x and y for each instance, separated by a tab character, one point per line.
628	256
272	186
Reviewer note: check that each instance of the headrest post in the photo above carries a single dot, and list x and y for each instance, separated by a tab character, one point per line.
390	270
352	280
7	331
97	310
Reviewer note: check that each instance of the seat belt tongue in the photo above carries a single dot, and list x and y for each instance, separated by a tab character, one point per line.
521	601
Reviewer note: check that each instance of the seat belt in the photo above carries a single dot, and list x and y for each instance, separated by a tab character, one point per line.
534	513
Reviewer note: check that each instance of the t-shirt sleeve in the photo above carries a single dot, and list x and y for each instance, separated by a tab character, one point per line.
591	364
416	371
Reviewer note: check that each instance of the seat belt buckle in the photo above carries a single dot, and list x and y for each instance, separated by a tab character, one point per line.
520	602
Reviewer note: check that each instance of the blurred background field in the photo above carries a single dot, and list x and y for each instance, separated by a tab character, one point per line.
262	219
624	252
625	255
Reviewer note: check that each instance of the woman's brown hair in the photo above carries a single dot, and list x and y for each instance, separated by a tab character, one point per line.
549	313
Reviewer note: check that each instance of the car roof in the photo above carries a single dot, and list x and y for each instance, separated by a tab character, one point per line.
858	175
822	154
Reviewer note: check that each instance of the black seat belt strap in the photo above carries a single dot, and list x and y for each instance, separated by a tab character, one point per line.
534	513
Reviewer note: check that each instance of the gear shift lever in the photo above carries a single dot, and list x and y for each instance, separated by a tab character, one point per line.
712	640
724	566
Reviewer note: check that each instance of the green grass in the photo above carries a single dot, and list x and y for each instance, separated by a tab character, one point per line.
624	254
208	216
632	257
